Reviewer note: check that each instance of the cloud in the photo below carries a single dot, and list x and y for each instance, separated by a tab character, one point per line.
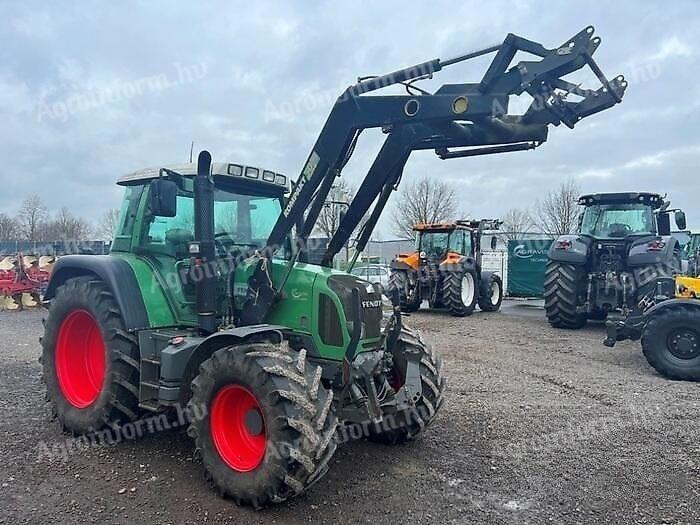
273	71
672	47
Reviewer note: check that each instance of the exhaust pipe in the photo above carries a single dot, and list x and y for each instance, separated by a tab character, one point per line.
202	249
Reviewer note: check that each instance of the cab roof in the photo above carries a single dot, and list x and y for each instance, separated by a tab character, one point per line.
652	199
466	224
218	170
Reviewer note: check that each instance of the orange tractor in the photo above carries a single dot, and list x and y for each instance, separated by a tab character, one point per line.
445	269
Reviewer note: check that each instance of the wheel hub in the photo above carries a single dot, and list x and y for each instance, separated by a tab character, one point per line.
495	293
80	359
684	344
238	428
467	289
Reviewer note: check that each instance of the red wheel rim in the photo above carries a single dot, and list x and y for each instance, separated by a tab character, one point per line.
237	428
80	359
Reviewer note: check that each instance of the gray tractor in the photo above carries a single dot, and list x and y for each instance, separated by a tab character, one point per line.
623	245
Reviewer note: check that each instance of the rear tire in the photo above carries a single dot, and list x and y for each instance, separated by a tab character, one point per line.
460	292
410	297
406	425
290	408
90	362
491	295
671	342
562	283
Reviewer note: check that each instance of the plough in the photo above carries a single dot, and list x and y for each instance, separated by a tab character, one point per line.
23	281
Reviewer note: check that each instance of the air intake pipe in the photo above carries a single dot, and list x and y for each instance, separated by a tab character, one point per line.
202	249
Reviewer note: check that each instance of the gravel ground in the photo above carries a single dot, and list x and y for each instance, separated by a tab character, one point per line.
538	425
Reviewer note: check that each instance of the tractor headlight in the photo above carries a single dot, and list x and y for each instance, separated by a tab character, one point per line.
235	170
268	176
252	173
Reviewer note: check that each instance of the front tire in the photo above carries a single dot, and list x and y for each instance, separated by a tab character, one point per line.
406	425
671	343
459	292
409	295
491	295
90	363
269	426
562	283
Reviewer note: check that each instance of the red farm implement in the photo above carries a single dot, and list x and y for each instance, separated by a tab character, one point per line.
22	281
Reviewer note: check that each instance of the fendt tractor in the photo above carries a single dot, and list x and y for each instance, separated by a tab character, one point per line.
623	245
206	300
446	269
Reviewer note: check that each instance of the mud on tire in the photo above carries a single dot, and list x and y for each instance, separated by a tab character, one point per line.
86	298
561	292
299	422
406	425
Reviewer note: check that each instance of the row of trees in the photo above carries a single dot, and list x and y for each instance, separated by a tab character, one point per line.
428	200
423	201
34	222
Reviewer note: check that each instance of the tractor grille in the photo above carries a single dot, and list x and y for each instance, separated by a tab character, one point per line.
370	300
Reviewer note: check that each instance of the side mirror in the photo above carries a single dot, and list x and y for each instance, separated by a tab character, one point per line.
494	242
680	220
163	198
664	223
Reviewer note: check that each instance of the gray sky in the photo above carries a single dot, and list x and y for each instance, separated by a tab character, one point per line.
95	90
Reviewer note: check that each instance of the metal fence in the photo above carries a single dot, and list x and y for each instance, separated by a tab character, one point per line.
53	247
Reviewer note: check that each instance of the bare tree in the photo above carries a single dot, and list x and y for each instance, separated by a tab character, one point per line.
68	227
557	213
423	201
32	215
107	225
516	221
9	228
329	219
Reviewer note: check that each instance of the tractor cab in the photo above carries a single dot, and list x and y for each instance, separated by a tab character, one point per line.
247	202
453	239
621	215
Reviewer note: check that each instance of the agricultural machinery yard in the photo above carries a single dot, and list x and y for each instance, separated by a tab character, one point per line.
538	425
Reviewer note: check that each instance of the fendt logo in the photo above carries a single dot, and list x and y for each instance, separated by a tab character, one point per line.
524	252
371	304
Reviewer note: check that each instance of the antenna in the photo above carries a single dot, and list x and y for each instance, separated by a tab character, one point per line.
191	148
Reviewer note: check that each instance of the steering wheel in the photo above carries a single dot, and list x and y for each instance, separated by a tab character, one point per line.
223	241
619	230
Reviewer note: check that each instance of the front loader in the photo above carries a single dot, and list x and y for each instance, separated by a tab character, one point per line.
206	300
446	269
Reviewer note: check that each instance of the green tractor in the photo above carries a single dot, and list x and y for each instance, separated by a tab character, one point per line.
207	308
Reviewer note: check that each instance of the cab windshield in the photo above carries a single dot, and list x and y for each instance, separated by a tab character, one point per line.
433	243
617	220
241	221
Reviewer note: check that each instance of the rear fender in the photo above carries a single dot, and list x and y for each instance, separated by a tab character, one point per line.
569	249
117	275
641	255
406	261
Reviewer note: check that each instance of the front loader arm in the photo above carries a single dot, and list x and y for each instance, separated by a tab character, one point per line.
472	116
